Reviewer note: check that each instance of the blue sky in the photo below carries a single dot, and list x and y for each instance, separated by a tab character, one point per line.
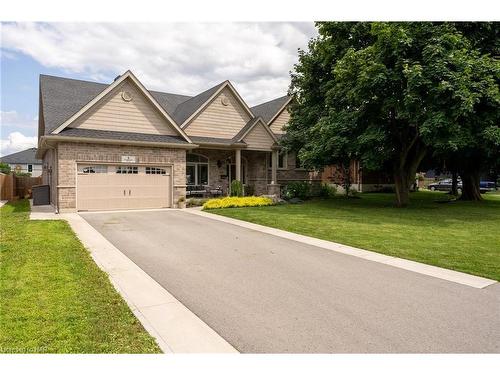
184	58
19	87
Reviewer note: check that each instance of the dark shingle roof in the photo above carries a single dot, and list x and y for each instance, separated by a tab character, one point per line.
22	157
63	97
269	109
122	136
187	108
213	140
168	101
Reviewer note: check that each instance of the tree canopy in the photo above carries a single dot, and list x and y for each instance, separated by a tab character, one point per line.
388	94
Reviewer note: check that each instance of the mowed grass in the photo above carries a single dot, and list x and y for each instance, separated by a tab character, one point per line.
54	298
463	236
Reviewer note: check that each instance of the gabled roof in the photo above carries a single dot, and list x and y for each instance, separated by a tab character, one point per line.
249	126
64	99
22	157
189	107
128	75
201	101
269	110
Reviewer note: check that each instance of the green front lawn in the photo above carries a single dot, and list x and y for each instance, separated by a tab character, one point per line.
54	298
462	236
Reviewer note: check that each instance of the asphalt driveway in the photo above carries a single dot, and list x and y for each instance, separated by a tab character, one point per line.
266	294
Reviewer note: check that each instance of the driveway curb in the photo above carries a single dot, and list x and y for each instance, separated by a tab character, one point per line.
175	328
425	269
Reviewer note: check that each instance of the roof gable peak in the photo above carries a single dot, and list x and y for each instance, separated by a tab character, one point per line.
130	76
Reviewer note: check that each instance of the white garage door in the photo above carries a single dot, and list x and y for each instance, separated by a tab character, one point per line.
114	187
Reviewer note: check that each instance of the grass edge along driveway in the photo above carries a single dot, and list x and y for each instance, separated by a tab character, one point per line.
462	236
54	298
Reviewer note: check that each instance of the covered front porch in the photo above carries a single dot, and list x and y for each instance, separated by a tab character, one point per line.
210	171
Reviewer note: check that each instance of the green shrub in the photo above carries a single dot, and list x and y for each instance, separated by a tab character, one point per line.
5	168
196	202
299	190
228	202
327	191
236	188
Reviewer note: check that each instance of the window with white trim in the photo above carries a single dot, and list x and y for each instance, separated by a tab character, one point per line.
155	170
30	168
196	169
282	160
87	169
127	169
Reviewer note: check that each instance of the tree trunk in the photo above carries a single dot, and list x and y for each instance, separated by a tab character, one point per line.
454	183
404	176
347	177
402	184
470	186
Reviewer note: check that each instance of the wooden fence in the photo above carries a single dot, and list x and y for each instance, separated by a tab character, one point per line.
14	187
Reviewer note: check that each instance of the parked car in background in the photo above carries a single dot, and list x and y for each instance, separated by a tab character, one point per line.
485	186
445	185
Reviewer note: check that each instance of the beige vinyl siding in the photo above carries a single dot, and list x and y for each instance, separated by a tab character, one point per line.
280	121
259	138
115	114
218	120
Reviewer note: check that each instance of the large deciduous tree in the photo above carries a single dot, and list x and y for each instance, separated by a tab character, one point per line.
388	93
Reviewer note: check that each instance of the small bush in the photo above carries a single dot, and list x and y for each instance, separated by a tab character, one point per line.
299	190
327	191
228	202
5	168
236	188
196	202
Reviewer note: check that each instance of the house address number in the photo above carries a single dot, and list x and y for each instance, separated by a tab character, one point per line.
129	159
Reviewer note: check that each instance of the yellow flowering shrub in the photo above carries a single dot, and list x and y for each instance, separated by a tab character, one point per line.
228	202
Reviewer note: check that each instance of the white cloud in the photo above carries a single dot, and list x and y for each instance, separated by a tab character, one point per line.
176	57
17	120
15	142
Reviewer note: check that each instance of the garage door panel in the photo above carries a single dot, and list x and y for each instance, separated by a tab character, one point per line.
111	190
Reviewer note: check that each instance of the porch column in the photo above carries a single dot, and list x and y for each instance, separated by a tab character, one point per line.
274	167
238	164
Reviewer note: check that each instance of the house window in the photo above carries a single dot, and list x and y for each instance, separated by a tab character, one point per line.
86	169
30	168
126	169
196	169
155	170
282	160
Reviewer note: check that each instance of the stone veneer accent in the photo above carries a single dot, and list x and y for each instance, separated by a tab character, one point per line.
71	153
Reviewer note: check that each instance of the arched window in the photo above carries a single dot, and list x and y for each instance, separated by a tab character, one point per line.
196	169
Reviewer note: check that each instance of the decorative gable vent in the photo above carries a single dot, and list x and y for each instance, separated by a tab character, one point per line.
127	96
224	101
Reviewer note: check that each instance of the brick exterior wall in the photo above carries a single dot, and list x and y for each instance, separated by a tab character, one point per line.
71	153
257	169
218	161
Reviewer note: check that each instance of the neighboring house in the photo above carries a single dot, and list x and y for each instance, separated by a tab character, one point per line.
120	146
24	162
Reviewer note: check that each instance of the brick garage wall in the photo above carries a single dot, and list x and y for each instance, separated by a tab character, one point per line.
71	153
